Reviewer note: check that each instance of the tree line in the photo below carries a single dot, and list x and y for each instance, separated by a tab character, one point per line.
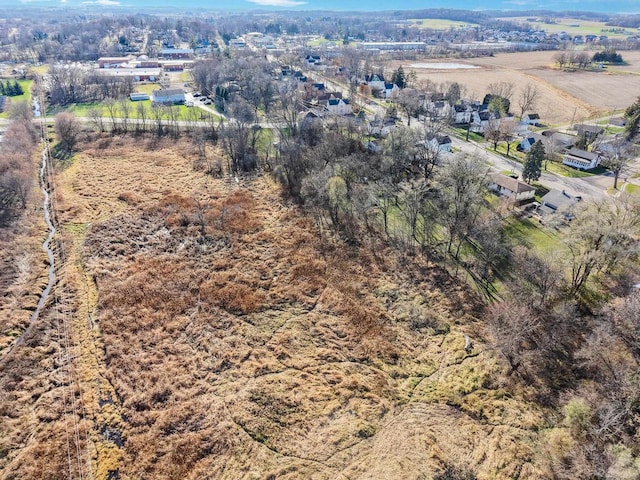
16	162
11	89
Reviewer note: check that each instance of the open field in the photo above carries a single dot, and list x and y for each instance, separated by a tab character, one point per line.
215	335
564	95
575	26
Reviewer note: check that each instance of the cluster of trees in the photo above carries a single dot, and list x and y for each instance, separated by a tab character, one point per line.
16	162
582	361
572	59
72	84
10	89
609	56
242	79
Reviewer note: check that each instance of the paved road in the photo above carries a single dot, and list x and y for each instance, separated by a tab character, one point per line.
574	186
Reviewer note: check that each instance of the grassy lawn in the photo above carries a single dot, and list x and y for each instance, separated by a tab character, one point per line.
530	234
566	171
461	132
25	97
632	189
83	109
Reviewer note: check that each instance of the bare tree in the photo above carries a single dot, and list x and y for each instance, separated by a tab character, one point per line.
125	113
561	58
618	155
112	109
95	117
601	235
68	130
462	184
501	89
514	330
528	98
141	124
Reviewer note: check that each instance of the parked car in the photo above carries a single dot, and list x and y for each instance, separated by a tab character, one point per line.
196	94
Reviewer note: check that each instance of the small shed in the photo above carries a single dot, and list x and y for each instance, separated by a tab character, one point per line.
138	97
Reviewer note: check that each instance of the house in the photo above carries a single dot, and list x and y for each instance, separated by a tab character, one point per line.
381	128
438	109
461	114
480	120
318	86
389	89
375	81
313	60
532	119
581	159
338	106
437	143
529	140
169	96
511	187
590	132
556	201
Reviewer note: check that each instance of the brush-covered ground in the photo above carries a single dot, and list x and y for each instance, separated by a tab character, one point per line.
212	333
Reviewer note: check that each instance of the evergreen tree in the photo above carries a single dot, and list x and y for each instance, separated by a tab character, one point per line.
632	115
533	163
2	89
17	89
399	77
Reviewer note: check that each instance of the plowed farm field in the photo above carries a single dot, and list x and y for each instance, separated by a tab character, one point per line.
565	95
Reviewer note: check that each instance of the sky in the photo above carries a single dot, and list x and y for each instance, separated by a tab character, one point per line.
617	6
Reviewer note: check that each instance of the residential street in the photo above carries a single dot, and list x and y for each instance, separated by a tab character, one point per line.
587	188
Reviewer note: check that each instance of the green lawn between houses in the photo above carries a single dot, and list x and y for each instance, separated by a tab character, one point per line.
25	97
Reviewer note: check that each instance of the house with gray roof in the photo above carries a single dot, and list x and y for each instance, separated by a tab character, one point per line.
511	187
581	159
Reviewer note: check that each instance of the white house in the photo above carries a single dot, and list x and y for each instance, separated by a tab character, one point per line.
389	89
375	81
379	128
531	119
168	96
529	140
511	187
437	143
461	114
313	60
480	120
581	159
338	106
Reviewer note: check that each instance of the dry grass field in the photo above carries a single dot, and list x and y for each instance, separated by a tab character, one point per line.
215	335
565	95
